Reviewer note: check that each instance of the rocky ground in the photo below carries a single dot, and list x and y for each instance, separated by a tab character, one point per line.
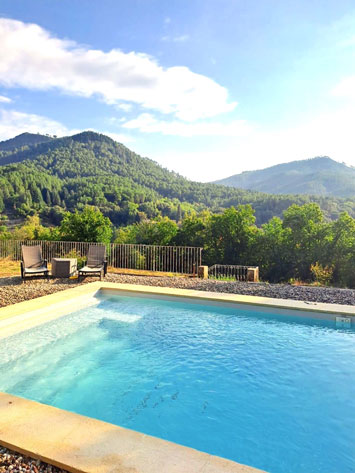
16	463
12	290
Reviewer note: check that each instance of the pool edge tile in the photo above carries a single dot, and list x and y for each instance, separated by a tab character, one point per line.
61	300
81	444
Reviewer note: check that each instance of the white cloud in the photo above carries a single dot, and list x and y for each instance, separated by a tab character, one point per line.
345	88
146	123
181	39
349	42
30	57
126	107
13	123
329	134
176	39
4	99
120	137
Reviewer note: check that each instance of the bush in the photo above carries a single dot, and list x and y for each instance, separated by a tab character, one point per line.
322	274
80	259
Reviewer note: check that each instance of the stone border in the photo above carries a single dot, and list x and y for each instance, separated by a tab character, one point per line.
37	309
83	445
27	314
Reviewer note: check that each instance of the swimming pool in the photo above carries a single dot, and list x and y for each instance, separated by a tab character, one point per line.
272	391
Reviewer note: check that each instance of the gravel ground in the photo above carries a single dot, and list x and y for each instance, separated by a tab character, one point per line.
15	463
12	290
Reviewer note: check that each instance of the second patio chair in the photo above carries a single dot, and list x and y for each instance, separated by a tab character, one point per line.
96	264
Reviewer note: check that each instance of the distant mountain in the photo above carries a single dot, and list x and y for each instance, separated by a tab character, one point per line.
25	139
318	176
59	174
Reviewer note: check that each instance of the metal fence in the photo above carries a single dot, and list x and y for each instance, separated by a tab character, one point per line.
228	271
174	259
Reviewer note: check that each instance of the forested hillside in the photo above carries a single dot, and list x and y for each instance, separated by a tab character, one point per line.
24	140
48	175
318	176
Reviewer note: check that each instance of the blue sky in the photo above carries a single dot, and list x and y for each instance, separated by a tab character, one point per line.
206	88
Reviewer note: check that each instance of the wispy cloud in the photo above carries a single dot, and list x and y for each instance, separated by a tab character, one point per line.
345	88
32	58
176	39
4	99
147	123
14	122
330	134
126	107
348	42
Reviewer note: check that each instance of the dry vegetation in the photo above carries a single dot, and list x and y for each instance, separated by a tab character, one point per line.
9	267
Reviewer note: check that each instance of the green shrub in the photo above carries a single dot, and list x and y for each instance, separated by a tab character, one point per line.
322	274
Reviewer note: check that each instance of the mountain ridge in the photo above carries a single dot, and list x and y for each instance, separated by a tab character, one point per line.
90	168
24	139
315	176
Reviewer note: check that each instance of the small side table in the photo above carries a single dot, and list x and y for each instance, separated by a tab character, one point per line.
64	267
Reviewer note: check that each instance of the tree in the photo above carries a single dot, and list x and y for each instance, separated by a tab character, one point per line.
156	232
271	253
341	250
230	236
193	230
88	225
33	230
306	238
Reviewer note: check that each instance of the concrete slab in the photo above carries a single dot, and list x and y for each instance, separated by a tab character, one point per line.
83	445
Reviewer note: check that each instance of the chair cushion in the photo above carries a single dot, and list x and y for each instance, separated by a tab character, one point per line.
88	269
42	269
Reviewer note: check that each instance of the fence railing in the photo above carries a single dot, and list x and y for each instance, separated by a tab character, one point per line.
174	259
237	272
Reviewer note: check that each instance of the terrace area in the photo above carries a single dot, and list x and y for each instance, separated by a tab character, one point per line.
24	449
162	266
13	290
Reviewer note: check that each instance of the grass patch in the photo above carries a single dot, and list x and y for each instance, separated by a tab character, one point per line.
9	267
223	278
12	268
144	272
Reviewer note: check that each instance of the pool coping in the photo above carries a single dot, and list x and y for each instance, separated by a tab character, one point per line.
84	445
65	298
81	444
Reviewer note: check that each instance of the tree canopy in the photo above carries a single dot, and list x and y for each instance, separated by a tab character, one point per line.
302	245
88	225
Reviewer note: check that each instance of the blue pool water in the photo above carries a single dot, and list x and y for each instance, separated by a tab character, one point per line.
270	391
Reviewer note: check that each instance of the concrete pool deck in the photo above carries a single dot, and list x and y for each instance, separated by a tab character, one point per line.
84	445
81	444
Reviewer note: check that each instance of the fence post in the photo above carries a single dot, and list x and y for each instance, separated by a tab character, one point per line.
253	274
202	272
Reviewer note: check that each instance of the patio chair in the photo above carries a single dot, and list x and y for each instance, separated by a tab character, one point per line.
32	263
96	263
